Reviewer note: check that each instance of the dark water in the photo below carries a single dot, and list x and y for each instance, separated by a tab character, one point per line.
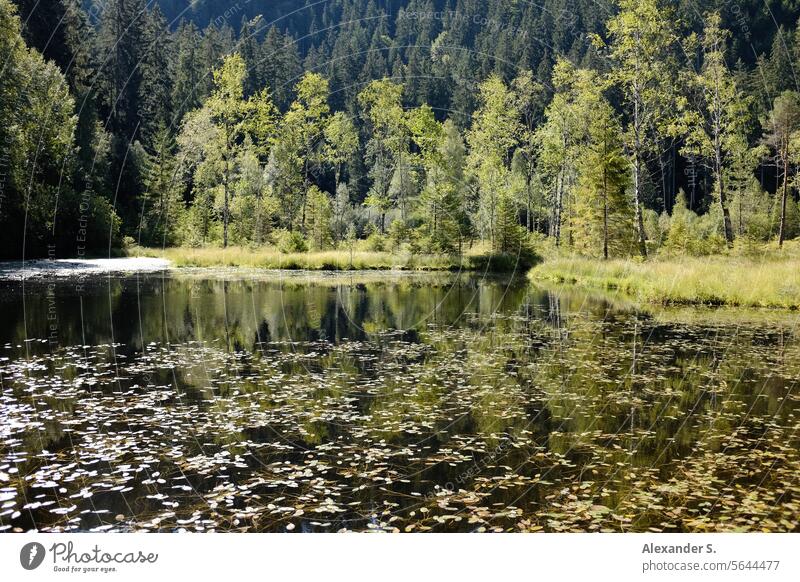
376	401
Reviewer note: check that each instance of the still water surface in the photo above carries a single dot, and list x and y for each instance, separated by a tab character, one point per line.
371	401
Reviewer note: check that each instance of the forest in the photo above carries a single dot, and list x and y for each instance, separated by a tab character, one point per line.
423	127
297	266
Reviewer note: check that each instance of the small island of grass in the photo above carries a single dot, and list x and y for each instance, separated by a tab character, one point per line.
479	258
767	279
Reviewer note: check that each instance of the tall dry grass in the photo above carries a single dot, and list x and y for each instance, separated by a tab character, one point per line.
333	260
770	279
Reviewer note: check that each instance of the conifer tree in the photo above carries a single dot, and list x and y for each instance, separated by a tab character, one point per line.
187	86
603	214
155	95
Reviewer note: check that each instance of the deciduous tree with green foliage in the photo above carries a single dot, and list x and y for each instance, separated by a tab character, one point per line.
782	125
494	133
387	147
303	129
643	39
226	105
716	114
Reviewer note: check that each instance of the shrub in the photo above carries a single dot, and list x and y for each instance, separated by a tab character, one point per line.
399	232
376	242
654	227
693	235
104	226
503	262
290	241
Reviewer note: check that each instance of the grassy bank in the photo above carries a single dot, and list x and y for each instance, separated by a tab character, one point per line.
771	280
477	259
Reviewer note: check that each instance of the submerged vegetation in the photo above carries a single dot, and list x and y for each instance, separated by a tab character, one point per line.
658	161
405	403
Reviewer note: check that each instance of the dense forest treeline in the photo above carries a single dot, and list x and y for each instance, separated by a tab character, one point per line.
428	125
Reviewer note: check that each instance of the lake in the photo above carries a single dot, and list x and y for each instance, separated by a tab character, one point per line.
236	401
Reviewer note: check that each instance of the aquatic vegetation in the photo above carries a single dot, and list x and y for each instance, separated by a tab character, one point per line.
453	404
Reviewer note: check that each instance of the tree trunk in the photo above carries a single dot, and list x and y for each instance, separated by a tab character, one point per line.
726	215
674	170
637	200
741	224
558	207
782	230
663	180
637	172
605	215
225	180
225	208
225	219
528	217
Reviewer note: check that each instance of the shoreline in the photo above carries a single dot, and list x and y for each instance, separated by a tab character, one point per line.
715	281
60	268
479	259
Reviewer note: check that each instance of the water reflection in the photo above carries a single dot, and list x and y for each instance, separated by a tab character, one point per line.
375	401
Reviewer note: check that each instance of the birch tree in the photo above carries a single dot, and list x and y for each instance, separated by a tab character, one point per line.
642	38
718	121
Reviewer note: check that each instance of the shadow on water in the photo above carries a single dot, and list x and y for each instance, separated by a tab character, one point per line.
398	402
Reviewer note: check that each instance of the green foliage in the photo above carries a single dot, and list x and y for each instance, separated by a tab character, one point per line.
254	207
188	70
656	227
518	260
376	242
345	218
341	142
387	148
495	131
643	39
782	127
603	221
509	235
561	139
228	111
398	233
715	123
407	126
319	219
155	90
163	207
290	241
690	234
786	220
751	212
104	226
41	212
442	206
